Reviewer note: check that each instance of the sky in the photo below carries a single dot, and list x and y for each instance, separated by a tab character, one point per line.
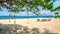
42	12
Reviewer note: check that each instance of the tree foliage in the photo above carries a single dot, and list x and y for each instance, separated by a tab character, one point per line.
30	5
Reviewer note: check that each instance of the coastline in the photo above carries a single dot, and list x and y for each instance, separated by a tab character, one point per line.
53	25
24	17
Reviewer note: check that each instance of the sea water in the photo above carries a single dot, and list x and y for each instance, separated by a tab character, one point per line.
22	17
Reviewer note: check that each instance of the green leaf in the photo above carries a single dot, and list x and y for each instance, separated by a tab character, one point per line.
56	13
57	16
50	6
58	8
47	1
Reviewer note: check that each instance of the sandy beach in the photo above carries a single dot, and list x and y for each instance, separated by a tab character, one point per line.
53	25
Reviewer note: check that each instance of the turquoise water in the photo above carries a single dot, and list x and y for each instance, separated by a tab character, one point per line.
22	17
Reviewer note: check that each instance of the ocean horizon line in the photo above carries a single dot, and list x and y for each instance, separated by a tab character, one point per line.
22	17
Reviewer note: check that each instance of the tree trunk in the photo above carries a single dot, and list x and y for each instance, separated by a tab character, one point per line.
9	17
14	19
14	22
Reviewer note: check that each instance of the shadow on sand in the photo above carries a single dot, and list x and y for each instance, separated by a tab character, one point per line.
20	29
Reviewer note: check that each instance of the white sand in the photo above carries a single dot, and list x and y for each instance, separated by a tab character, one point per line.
53	25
